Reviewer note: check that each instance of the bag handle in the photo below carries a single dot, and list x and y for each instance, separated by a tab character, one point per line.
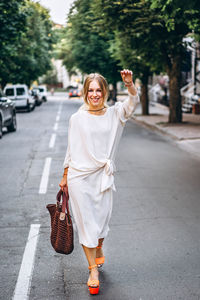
65	199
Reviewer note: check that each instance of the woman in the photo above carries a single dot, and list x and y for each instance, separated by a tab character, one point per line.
93	136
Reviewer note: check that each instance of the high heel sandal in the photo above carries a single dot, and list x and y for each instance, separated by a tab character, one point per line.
93	284
100	260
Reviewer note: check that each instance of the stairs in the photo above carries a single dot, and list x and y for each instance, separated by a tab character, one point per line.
188	97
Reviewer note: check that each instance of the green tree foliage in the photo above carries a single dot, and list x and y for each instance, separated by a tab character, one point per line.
177	20
176	13
26	50
157	28
12	23
83	46
34	59
130	49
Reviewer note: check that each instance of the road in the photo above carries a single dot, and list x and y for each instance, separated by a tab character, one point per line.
153	247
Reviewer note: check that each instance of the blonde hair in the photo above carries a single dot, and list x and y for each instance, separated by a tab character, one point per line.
103	85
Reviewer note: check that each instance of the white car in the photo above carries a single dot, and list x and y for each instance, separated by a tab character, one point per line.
20	94
36	94
43	92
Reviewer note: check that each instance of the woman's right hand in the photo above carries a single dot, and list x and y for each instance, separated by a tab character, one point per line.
63	183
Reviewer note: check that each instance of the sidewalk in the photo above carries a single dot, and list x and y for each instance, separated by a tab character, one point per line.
185	135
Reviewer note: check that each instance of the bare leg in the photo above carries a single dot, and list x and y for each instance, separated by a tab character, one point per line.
90	254
99	252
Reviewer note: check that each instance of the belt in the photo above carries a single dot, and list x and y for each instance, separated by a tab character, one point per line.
107	180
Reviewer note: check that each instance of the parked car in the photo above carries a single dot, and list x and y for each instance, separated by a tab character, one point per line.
7	114
36	94
74	92
43	92
20	94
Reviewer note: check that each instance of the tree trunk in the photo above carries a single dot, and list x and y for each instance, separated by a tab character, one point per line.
175	105
144	95
114	92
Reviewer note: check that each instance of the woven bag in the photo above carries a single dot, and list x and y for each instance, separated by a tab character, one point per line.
62	239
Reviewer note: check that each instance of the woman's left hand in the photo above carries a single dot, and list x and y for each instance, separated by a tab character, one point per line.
127	77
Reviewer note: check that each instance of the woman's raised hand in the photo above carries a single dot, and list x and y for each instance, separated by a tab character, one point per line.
128	80
127	77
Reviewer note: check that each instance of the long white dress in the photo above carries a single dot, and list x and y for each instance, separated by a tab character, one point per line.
91	151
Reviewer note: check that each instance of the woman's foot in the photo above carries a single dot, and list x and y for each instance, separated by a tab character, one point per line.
93	280
94	275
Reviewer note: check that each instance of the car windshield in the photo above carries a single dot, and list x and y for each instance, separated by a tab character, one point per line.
10	92
20	91
41	90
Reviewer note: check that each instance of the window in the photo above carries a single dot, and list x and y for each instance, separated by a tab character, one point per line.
20	91
10	92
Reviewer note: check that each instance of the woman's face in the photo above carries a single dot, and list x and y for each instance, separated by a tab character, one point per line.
95	95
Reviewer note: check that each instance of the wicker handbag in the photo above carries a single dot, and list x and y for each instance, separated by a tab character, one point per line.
62	238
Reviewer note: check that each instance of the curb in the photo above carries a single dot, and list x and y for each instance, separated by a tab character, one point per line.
155	127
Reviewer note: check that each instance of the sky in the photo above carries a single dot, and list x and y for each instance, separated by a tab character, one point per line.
58	9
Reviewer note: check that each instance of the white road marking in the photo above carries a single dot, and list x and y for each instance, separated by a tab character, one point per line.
60	108
55	126
58	118
45	176
22	288
52	140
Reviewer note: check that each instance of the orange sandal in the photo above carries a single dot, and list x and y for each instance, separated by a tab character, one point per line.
93	284
100	260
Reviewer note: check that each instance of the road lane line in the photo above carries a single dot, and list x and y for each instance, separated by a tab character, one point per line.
52	140
60	107
22	288
58	118
45	176
55	126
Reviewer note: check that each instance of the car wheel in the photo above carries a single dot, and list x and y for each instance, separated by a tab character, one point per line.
44	99
1	129
28	108
33	107
13	125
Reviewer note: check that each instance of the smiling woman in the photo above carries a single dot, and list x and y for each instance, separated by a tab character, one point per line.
95	93
93	137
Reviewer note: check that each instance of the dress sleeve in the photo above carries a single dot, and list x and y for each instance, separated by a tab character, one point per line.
125	109
67	156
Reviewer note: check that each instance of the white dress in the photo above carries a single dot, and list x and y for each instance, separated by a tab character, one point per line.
91	151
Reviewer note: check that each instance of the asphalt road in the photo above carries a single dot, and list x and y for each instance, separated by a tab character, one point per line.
153	247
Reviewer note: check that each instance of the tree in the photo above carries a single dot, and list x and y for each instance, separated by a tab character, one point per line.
25	40
129	47
125	49
12	23
34	50
159	27
84	48
179	18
